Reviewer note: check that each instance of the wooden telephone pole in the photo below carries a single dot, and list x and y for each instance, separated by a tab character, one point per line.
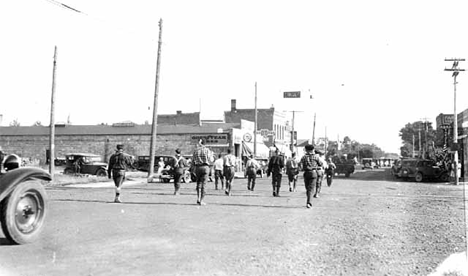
52	120
155	107
455	73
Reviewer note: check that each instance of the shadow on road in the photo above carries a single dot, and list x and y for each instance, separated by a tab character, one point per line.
384	175
179	204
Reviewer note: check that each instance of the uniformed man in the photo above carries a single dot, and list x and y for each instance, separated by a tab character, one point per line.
118	165
229	170
275	168
251	171
309	164
320	172
201	159
292	170
179	166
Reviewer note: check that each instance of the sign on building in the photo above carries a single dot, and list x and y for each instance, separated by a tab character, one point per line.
219	139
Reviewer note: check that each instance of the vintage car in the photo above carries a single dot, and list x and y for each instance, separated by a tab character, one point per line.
23	200
143	162
263	162
422	169
167	173
369	163
344	166
85	163
396	167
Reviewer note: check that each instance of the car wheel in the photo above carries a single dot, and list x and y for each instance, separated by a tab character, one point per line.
23	212
186	178
101	173
444	177
347	174
68	171
418	177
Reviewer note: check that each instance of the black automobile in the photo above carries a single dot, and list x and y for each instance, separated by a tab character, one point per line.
422	169
85	163
396	167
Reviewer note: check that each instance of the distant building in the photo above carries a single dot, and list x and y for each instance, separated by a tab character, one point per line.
276	124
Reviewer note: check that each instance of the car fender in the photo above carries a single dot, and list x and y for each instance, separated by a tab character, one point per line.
13	178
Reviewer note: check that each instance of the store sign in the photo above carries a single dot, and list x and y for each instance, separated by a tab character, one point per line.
266	132
211	139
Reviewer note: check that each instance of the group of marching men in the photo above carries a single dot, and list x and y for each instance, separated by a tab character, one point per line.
313	164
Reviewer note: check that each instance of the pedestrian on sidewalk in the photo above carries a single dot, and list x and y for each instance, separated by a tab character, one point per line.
251	172
309	164
229	167
179	166
218	172
275	169
118	165
292	170
202	157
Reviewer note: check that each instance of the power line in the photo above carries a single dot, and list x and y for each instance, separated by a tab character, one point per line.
111	25
64	6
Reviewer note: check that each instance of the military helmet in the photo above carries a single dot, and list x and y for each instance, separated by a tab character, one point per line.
11	162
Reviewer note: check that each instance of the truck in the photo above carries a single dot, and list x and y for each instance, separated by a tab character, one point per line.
344	166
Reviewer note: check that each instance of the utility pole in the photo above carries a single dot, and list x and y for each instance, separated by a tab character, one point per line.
455	73
413	145
313	131
52	120
255	122
155	107
419	138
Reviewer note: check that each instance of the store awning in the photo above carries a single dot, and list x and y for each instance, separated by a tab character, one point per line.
246	151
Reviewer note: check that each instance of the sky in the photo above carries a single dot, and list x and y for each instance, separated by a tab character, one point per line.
370	67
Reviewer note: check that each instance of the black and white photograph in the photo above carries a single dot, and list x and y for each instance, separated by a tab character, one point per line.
220	138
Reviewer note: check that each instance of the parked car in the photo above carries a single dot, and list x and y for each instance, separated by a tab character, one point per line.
263	162
344	166
23	200
88	164
143	162
60	161
422	169
369	163
396	167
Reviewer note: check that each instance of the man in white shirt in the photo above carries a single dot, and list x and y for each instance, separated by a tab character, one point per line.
229	166
218	172
251	171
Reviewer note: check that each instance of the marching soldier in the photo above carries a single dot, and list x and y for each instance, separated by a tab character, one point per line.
309	164
118	164
275	168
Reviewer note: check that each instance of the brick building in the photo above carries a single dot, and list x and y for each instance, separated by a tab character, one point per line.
267	119
32	142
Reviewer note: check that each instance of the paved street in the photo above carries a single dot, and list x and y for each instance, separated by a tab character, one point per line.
368	224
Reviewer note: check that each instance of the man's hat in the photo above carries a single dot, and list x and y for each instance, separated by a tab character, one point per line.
120	147
177	151
309	147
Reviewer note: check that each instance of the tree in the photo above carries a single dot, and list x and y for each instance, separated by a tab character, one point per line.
37	123
15	123
421	133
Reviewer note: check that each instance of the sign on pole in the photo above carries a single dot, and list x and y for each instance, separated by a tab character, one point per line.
292	94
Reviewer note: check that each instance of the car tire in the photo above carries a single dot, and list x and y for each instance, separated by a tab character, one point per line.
101	173
418	177
186	178
23	212
445	177
68	171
